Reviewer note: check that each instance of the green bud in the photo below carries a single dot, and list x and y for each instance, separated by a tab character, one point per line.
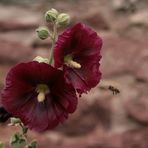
51	15
63	19
41	59
42	32
15	121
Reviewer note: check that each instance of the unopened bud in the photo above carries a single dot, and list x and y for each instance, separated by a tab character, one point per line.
41	59
42	32
15	121
63	19
51	15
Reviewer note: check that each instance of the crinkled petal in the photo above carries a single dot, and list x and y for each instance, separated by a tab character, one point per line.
83	79
78	41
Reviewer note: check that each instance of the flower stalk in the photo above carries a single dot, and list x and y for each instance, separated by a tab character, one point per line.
53	38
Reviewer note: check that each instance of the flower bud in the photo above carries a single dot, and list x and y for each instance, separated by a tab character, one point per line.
41	59
42	32
15	121
51	15
63	19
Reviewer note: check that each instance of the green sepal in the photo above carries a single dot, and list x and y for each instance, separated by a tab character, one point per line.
51	15
63	19
42	32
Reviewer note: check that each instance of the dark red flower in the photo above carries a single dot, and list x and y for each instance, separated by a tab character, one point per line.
37	94
78	51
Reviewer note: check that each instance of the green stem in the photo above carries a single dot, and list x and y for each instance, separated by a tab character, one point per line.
53	37
24	129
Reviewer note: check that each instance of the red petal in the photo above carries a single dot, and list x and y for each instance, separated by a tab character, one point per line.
83	79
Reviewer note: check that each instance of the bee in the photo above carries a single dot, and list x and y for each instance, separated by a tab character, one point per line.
114	90
4	115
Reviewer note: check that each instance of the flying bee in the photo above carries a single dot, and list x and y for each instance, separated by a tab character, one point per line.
114	90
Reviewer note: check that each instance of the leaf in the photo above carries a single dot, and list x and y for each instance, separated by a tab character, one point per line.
17	141
25	130
32	144
1	145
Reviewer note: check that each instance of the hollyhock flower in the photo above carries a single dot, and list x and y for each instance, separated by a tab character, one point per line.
38	95
78	51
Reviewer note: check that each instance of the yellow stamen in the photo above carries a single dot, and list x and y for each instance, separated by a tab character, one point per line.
71	63
41	97
42	90
74	64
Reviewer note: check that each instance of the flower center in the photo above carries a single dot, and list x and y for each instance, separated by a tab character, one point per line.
71	63
42	90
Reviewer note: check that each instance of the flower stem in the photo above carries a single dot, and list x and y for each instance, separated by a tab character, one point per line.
24	130
53	37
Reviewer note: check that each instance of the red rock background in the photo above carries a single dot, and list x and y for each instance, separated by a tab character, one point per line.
102	120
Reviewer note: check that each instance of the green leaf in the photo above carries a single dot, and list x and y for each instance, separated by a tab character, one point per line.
17	141
32	144
25	130
1	145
